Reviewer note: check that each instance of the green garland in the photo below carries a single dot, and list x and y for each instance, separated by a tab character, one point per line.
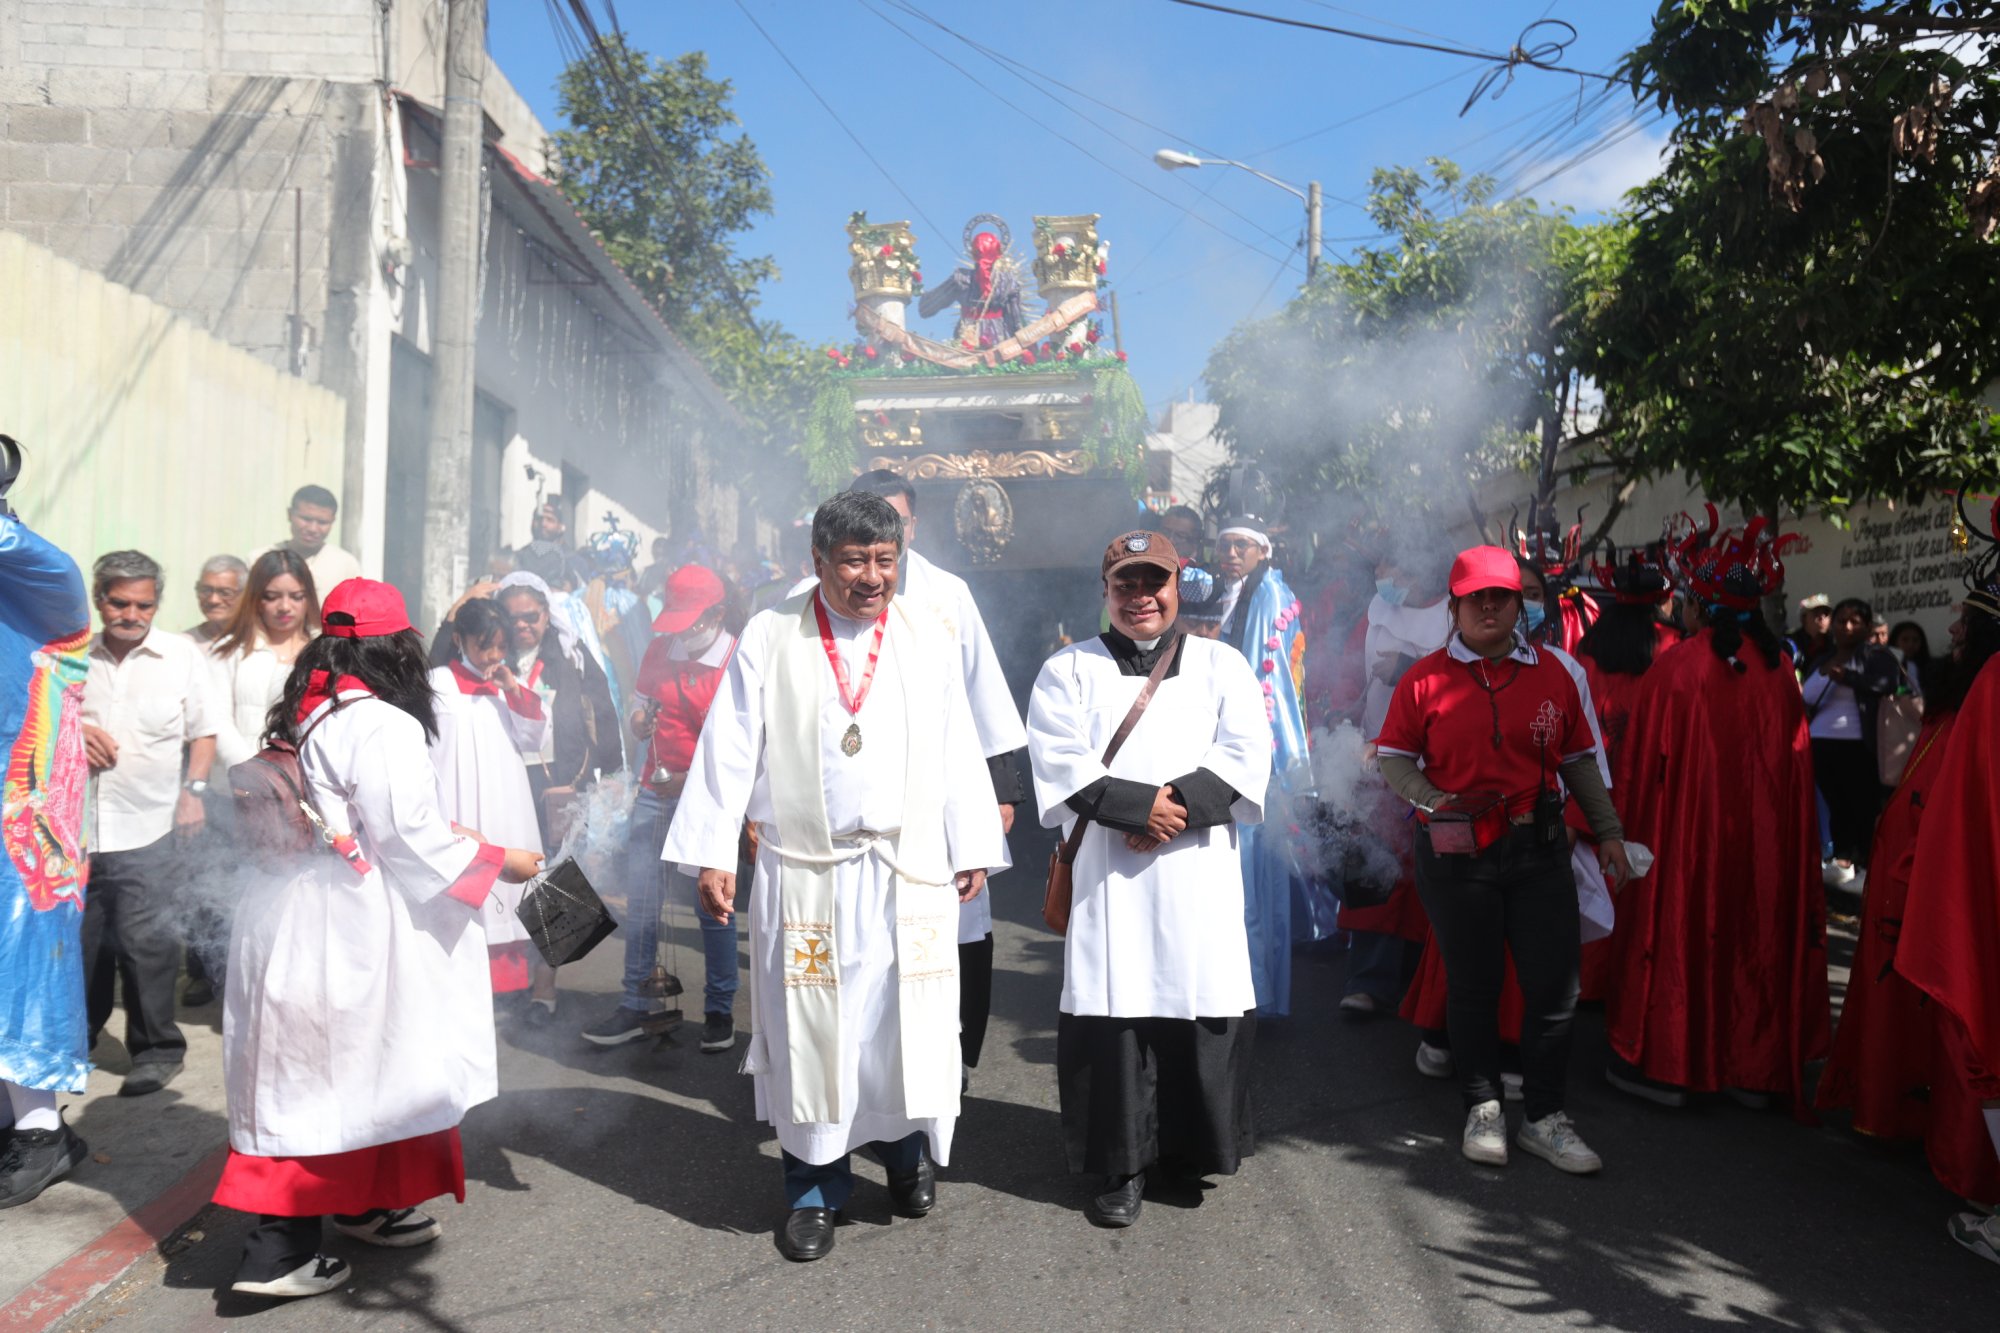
1118	423
832	439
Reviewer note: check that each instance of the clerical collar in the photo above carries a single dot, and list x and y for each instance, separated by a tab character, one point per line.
1137	657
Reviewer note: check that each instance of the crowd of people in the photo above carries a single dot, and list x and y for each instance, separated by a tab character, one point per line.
1626	787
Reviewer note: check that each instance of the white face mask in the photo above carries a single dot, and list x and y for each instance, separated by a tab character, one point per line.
696	641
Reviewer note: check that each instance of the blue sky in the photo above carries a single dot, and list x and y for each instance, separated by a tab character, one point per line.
1193	252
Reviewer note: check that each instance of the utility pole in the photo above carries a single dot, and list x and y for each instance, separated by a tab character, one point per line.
1312	229
454	326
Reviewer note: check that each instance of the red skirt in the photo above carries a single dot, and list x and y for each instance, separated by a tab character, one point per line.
510	965
390	1175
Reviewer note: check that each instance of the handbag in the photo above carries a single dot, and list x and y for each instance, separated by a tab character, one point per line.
1061	887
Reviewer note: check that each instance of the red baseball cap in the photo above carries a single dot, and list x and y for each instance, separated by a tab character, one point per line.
363	609
1484	567
690	590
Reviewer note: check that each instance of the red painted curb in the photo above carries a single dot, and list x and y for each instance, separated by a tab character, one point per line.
60	1291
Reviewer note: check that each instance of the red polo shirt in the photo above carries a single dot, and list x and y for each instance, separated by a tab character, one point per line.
685	689
1448	708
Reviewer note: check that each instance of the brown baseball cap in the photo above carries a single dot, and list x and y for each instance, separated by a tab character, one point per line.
1140	548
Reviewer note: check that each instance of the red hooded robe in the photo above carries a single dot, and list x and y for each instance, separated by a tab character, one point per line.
1950	943
1718	971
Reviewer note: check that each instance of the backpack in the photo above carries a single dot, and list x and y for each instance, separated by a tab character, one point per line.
275	818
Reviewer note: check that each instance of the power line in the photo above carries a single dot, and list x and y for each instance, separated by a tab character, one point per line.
915	207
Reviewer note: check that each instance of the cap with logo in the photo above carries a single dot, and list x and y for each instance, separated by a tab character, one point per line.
1140	548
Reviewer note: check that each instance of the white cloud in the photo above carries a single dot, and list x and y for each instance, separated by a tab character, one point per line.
1599	183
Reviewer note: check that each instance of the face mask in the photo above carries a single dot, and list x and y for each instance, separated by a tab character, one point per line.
700	641
1390	591
478	672
1535	613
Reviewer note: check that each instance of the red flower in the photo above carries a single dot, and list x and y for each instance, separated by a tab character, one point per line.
1027	356
917	277
1076	349
1091	333
966	343
888	249
1100	268
1059	355
868	352
881	418
833	353
1121	356
1061	251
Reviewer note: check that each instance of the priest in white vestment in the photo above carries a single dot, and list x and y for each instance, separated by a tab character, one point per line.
919	583
1154	1039
842	732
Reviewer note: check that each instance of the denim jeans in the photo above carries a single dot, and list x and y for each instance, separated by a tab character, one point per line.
647	882
829	1186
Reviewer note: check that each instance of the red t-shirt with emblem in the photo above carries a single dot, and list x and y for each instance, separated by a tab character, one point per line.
1447	712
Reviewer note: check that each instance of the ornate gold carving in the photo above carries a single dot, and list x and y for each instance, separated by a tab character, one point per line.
893	430
982	463
984	519
885	258
1066	254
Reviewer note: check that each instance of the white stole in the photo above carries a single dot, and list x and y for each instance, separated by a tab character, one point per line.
926	904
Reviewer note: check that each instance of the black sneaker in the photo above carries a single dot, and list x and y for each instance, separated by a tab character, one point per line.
621	1026
198	994
718	1033
35	1159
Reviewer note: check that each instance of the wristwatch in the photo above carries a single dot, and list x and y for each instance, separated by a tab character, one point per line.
195	786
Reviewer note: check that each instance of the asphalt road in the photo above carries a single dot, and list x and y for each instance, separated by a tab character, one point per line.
631	1189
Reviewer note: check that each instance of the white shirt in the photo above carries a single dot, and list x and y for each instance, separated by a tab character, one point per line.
160	697
246	685
1835	712
330	565
1405	631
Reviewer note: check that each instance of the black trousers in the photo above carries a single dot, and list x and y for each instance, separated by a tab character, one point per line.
130	935
975	997
276	1246
1140	1091
1847	776
1519	895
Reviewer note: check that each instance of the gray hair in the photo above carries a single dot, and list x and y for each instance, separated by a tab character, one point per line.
225	564
855	516
123	567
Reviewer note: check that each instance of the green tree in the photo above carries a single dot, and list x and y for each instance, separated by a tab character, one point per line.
1416	370
1808	311
649	160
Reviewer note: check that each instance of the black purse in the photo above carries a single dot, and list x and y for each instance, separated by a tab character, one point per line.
563	914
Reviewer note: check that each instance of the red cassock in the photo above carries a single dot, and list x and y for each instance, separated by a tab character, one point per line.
1894	1061
1718	967
1949	946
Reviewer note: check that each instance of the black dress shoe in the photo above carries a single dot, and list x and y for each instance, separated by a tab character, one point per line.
1118	1205
149	1078
807	1234
915	1194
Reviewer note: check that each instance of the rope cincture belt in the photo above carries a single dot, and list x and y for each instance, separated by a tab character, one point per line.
861	843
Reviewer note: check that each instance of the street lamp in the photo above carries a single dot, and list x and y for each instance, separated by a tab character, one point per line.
1170	159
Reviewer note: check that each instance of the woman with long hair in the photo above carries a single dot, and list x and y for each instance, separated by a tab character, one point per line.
358	1025
486	720
1718	977
1844	685
273	622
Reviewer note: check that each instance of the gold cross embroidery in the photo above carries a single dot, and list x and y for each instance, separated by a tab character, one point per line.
812	955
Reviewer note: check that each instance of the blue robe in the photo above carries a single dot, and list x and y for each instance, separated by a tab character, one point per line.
1265	626
44	635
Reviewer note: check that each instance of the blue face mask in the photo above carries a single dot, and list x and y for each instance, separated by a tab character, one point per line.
1534	613
1390	591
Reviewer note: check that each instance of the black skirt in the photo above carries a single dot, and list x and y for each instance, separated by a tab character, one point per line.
1141	1091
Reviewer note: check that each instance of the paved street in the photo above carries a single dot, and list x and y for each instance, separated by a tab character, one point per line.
629	1188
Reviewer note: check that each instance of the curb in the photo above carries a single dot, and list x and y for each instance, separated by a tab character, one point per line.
66	1286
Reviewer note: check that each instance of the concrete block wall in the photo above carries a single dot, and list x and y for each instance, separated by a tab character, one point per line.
333	39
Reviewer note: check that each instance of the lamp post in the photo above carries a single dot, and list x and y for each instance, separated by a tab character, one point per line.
1169	159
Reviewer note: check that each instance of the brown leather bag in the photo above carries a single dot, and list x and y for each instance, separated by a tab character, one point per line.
1061	888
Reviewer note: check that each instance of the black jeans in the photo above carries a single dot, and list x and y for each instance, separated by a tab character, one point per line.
1515	895
1851	782
130	933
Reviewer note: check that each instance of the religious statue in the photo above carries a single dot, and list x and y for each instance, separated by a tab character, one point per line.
984	285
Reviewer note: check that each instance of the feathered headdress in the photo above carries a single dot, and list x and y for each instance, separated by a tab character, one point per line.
1982	571
1727	568
1544	544
1641	579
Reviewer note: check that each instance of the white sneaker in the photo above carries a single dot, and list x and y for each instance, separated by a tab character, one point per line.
1485	1139
1361	1004
1433	1061
1510	1087
397	1229
315	1277
1979	1234
1554	1140
1835	875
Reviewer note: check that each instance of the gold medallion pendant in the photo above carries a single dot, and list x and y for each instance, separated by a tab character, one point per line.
850	742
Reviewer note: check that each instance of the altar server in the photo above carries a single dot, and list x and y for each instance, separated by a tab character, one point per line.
921	584
487	718
1154	1038
357	1029
842	731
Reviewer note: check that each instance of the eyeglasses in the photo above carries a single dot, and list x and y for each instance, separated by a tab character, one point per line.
528	618
1236	546
213	590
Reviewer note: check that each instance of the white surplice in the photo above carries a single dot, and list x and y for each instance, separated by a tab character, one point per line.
1153	934
359	1010
1409	631
947	597
484	784
731	779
